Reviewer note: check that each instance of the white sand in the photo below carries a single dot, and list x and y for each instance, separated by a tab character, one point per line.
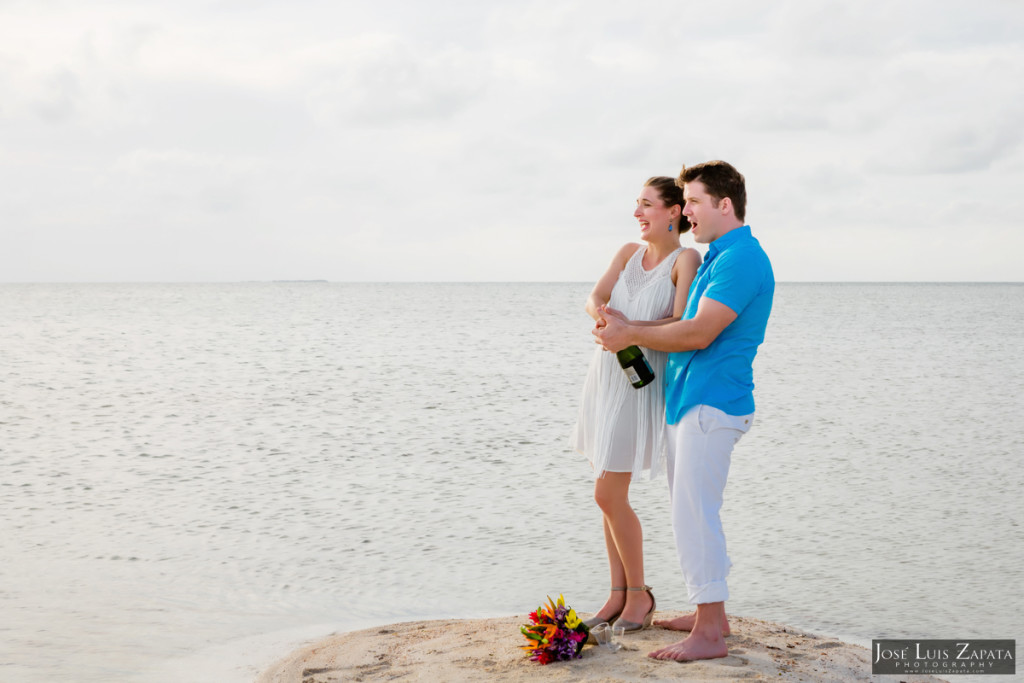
488	650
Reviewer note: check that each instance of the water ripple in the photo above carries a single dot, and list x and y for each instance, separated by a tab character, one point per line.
188	464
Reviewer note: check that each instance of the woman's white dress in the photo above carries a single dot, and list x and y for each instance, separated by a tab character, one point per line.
621	428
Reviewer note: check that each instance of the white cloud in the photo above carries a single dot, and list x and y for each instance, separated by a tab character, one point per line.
380	79
177	161
457	140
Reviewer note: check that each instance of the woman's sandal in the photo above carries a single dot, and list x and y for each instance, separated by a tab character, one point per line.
628	626
594	621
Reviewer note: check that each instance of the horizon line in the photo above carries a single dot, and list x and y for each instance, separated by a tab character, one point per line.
476	282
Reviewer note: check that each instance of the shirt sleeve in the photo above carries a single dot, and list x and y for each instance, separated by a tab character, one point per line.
737	277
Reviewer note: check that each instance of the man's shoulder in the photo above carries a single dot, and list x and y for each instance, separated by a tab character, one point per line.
746	256
746	242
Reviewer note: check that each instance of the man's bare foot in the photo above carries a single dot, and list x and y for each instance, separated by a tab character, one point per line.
693	648
685	623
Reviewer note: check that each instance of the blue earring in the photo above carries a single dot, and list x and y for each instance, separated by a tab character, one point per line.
670	227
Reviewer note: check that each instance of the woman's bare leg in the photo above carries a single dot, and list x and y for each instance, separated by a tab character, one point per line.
616	599
624	538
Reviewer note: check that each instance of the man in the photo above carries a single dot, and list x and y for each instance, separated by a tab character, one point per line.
709	385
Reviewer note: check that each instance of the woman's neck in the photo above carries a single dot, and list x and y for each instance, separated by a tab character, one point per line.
658	250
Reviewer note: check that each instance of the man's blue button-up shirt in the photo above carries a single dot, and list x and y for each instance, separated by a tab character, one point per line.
736	272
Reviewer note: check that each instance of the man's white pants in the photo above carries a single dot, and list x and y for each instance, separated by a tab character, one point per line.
699	451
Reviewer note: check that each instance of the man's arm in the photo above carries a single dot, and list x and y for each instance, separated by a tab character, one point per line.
607	311
615	334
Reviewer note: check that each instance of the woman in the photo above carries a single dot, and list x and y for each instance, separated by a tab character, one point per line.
621	429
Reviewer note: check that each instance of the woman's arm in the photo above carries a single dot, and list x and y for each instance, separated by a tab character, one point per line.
683	272
602	291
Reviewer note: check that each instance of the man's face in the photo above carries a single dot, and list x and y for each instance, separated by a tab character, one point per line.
705	214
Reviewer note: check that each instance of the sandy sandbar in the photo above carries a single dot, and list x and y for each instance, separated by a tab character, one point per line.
487	650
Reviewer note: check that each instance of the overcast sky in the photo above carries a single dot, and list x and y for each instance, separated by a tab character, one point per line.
470	140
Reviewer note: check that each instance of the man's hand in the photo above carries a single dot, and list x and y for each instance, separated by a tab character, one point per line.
612	330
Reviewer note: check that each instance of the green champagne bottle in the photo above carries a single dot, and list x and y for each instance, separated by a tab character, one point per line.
636	367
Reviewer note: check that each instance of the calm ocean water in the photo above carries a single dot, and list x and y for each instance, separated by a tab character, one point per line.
192	477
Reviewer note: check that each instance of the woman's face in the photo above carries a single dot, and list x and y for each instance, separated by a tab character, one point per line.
651	212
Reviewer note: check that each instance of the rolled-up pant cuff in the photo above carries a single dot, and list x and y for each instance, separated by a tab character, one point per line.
716	591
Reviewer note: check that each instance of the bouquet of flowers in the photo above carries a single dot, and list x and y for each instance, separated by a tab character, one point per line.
556	634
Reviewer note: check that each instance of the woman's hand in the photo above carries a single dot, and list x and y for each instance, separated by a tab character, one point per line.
612	330
609	312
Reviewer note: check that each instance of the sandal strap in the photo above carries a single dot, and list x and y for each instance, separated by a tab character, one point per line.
619	588
639	588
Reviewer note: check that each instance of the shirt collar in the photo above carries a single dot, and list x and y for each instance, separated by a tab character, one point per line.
726	240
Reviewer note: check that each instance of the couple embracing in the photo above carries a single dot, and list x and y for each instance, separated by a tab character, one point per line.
699	324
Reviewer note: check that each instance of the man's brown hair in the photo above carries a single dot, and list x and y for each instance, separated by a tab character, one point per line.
721	180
